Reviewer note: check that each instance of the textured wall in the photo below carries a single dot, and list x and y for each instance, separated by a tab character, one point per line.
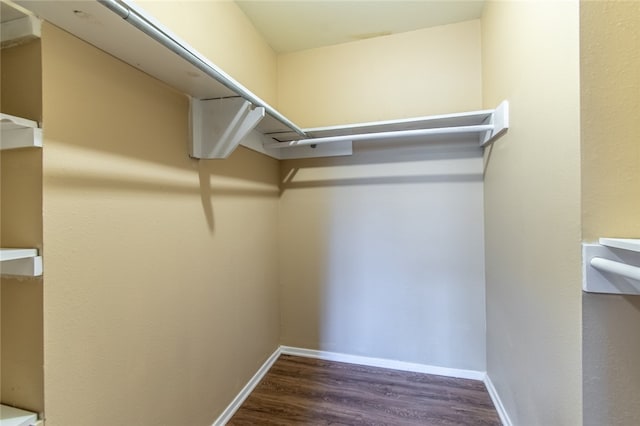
382	252
424	72
161	299
532	211
610	91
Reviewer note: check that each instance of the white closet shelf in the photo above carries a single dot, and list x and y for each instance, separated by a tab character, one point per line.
485	126
126	31
11	416
17	253
218	124
23	262
632	244
18	132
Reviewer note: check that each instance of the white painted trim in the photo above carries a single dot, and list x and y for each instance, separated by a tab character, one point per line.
493	393
246	390
385	363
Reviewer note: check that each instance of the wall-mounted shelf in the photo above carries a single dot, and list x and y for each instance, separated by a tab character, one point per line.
145	44
622	243
215	123
126	31
483	126
20	262
19	132
612	266
11	416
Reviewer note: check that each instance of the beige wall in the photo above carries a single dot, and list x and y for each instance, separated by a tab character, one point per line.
382	252
21	226
610	91
161	293
221	32
530	56
424	72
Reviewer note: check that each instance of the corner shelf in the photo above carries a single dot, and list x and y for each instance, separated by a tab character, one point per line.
10	416
482	126
20	262
19	132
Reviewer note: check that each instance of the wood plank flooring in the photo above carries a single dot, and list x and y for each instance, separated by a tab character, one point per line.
307	391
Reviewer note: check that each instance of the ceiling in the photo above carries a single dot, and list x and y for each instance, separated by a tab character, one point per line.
293	25
10	12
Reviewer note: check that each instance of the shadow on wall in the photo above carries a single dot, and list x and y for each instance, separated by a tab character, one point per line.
255	176
392	164
382	253
245	174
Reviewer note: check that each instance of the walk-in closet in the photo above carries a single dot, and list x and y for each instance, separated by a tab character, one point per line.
196	197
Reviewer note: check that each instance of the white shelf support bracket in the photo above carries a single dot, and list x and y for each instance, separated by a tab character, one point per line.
611	269
218	126
500	121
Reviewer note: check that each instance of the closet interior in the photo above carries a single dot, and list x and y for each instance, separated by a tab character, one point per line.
165	227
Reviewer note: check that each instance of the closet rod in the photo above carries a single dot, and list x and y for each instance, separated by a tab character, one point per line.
617	268
384	135
140	22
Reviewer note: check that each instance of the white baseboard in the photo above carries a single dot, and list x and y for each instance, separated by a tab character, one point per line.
493	393
246	390
385	363
360	360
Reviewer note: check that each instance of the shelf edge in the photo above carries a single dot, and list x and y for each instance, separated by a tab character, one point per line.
631	244
17	253
11	416
20	262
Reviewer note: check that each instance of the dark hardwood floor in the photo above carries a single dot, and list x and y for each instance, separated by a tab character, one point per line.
306	391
